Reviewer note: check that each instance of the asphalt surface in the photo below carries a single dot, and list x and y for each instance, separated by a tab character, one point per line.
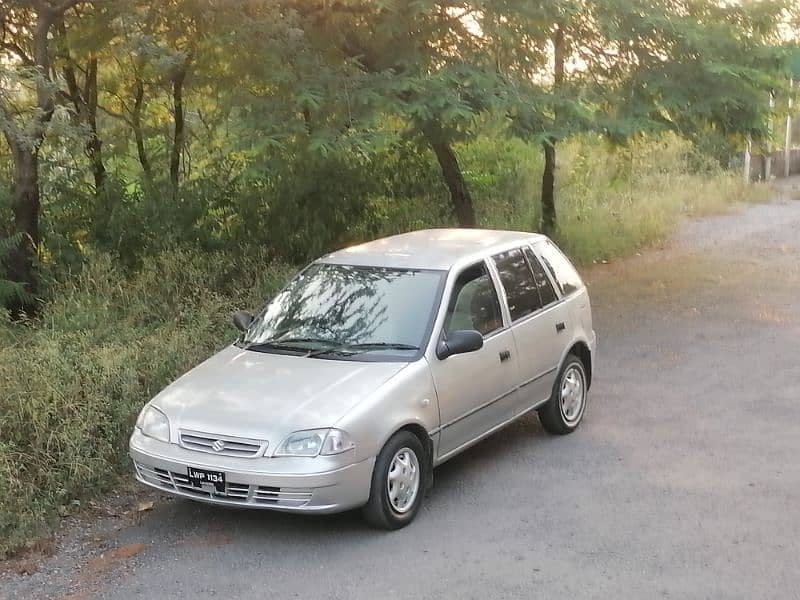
682	482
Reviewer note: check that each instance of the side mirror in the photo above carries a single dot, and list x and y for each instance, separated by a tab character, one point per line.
242	320
459	342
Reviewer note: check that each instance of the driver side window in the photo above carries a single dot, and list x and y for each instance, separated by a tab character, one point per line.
474	303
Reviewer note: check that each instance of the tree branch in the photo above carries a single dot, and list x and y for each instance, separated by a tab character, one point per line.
10	45
15	48
60	9
9	128
114	114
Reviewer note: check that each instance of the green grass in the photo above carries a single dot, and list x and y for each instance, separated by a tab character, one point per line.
610	202
614	205
72	384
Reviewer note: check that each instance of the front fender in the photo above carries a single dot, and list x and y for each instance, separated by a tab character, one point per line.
408	398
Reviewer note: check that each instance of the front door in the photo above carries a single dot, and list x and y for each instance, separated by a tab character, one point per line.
475	389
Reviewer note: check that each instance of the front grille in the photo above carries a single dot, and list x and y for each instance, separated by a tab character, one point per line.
237	493
222	445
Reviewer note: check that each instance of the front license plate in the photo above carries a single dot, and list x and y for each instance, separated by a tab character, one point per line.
200	478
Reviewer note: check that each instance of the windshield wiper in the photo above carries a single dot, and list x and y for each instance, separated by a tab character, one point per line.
280	343
361	348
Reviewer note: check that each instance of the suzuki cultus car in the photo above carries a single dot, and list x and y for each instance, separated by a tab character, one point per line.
374	365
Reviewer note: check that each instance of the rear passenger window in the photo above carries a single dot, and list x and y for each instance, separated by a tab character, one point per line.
518	282
564	274
546	291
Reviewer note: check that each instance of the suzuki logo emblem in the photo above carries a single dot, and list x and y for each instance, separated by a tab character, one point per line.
218	446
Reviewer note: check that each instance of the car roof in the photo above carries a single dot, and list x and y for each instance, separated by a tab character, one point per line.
438	249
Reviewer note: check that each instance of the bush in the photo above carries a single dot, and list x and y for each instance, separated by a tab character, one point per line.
613	202
71	387
610	201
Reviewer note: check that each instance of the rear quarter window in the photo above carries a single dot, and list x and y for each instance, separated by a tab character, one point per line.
564	274
546	291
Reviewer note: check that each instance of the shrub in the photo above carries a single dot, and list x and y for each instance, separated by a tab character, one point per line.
10	290
70	388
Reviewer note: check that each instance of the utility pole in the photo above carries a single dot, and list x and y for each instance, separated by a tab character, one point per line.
747	152
787	145
768	157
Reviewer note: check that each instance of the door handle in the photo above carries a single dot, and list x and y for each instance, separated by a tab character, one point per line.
560	327
505	355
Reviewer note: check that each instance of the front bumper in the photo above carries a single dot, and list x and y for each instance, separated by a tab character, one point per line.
291	484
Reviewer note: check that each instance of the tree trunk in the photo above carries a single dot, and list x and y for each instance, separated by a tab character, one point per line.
178	134
94	150
21	261
84	99
549	220
24	143
94	147
136	125
85	103
454	179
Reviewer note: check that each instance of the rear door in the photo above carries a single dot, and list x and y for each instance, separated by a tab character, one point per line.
476	389
537	316
570	287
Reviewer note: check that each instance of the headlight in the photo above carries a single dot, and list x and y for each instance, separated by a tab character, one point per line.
153	423
315	441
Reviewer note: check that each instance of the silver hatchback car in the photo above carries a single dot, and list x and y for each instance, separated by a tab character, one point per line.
374	365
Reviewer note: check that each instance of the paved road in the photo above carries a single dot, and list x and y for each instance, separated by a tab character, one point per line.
683	482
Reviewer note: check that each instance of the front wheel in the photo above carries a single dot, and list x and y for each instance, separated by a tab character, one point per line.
398	482
563	412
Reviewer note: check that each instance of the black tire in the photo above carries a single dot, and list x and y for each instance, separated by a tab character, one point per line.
379	510
552	413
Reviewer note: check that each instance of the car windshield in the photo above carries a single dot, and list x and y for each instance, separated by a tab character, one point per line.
348	310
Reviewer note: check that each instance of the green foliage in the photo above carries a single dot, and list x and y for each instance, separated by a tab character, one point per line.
11	290
71	386
294	111
613	201
309	205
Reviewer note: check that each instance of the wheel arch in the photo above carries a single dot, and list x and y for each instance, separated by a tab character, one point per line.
584	354
425	439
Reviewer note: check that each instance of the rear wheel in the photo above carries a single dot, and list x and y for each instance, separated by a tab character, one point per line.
398	482
563	412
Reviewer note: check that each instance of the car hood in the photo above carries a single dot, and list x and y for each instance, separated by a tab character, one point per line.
267	396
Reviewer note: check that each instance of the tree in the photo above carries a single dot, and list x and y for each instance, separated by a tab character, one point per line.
533	45
27	104
169	35
423	62
624	67
228	105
